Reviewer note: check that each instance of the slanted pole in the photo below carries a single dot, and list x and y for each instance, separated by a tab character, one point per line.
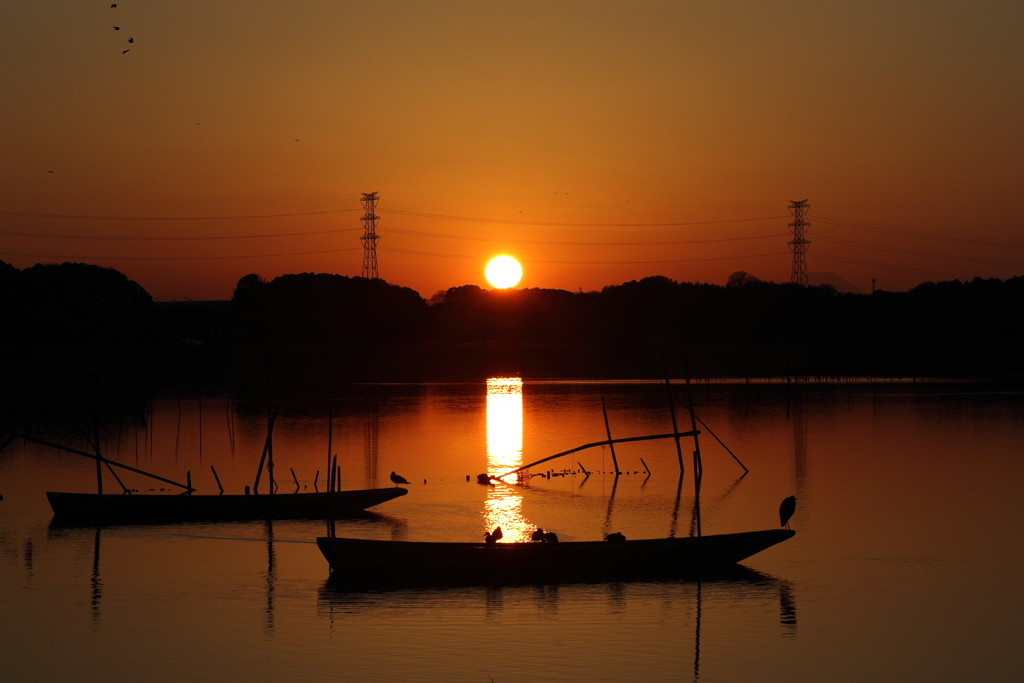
96	443
675	428
295	478
330	436
608	431
217	478
266	447
698	467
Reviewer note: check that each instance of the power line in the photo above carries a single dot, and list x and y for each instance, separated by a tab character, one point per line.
484	258
418	233
896	250
420	214
111	238
904	233
178	258
858	262
576	244
26	214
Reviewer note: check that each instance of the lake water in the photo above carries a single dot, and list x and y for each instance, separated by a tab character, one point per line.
907	564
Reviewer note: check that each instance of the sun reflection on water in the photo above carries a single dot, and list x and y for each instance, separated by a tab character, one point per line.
504	505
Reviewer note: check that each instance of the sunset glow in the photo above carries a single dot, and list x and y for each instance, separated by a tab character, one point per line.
504	272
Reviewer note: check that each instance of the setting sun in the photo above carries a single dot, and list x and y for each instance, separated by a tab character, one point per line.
503	272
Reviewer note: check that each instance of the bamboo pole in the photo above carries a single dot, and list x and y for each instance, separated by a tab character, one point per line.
295	478
675	428
111	463
745	470
218	479
263	458
698	467
595	444
611	444
96	445
330	435
315	479
646	468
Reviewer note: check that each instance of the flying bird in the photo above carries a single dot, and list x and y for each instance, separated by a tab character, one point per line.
398	479
128	50
786	510
49	171
117	28
113	6
131	40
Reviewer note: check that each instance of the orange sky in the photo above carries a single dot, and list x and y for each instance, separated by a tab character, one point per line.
900	118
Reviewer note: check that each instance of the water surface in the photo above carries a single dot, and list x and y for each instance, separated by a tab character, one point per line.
906	565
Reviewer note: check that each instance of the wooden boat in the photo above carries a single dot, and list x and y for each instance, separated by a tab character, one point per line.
173	508
358	559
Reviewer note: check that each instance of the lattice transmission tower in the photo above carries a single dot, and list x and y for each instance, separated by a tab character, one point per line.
799	242
370	237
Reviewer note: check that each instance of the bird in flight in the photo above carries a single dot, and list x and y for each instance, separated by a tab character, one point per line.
117	28
113	6
49	171
131	40
398	479
128	50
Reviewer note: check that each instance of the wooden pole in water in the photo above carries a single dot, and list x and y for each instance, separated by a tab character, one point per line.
270	461
648	469
330	436
698	468
263	458
675	428
295	478
188	481
96	444
608	430
217	478
315	479
337	477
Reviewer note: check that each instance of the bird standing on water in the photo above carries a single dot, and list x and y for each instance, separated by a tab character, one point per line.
494	536
398	479
786	510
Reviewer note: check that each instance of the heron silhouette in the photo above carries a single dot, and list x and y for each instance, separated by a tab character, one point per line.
786	510
398	479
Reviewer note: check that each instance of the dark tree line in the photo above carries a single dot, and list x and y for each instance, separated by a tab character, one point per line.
746	327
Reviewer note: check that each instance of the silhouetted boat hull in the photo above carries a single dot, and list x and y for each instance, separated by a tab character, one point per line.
174	508
359	559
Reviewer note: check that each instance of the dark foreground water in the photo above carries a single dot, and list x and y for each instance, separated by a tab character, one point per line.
908	563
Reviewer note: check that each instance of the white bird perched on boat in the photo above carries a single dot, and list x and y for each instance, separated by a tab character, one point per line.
398	478
786	510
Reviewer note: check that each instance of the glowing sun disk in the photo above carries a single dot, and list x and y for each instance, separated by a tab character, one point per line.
503	272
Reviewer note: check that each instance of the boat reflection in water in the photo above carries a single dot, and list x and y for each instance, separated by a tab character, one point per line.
504	504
